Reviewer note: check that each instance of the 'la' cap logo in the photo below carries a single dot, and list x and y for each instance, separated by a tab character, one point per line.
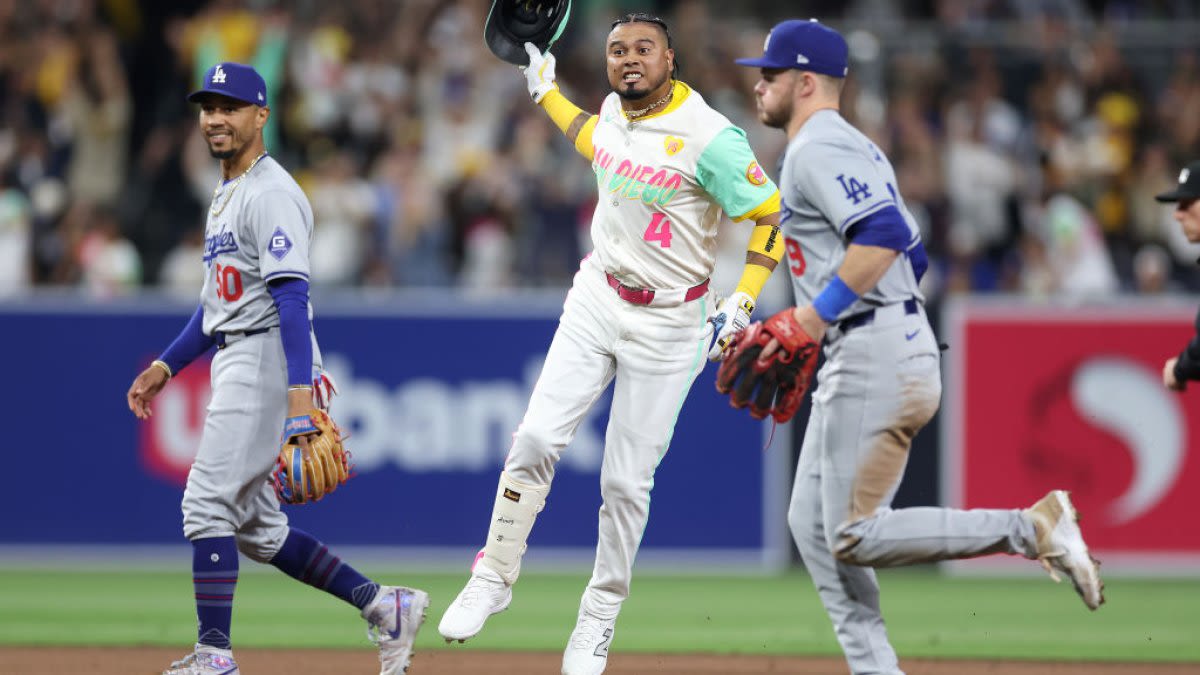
218	76
1183	176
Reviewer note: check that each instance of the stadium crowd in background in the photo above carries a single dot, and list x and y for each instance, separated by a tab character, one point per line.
1029	137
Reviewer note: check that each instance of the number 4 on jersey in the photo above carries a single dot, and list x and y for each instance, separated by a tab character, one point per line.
659	230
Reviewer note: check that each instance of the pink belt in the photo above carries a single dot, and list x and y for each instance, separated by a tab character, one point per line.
645	296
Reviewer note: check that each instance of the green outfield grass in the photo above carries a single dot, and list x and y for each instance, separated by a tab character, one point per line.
928	615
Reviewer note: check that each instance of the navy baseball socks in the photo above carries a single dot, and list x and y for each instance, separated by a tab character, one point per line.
394	614
214	575
304	558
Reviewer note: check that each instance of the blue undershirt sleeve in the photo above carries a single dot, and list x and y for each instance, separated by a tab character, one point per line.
291	299
884	228
189	344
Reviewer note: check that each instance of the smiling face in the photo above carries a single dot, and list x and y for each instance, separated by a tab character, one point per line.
229	125
639	62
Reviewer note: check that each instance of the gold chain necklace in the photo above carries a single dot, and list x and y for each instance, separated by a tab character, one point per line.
638	113
229	195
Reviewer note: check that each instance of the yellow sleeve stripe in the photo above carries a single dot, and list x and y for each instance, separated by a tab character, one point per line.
771	205
583	142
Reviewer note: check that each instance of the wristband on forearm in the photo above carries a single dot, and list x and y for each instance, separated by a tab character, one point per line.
163	367
764	240
834	300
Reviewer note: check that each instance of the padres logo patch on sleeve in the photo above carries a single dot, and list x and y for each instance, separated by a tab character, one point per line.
755	174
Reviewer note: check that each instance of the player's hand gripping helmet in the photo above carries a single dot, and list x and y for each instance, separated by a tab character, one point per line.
512	23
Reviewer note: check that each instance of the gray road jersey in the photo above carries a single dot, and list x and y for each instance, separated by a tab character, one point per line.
832	177
262	233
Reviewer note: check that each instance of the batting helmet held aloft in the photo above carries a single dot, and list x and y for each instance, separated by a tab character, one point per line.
512	23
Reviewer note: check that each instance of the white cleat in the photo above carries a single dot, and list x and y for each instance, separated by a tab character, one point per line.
393	618
205	660
484	595
1061	547
587	649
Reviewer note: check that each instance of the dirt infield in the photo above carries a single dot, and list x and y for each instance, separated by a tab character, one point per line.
149	660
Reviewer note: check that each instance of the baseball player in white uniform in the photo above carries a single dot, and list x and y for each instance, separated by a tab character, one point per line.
638	312
254	308
855	256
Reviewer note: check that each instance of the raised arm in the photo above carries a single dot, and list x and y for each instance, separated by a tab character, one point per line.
575	123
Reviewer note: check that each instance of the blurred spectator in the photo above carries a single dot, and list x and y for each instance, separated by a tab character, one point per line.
98	112
16	242
109	264
1151	270
1075	250
343	205
183	269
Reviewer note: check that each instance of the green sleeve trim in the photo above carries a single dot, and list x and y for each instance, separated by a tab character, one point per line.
730	173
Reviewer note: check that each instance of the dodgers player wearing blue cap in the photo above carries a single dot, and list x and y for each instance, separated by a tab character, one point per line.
856	257
254	308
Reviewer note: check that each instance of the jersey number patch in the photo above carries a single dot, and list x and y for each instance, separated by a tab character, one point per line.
795	257
659	230
854	190
229	283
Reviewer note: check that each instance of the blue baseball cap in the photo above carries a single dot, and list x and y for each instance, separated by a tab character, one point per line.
804	45
235	80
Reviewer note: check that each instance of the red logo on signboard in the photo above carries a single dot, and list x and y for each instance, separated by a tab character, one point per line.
170	438
1075	400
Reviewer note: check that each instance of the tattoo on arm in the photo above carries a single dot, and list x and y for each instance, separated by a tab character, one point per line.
760	259
577	125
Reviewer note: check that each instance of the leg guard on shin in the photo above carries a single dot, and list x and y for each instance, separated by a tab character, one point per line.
517	506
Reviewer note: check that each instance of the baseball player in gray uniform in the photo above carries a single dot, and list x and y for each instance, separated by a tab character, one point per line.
856	257
254	308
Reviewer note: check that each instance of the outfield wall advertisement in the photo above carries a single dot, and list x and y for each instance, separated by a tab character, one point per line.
1043	397
432	389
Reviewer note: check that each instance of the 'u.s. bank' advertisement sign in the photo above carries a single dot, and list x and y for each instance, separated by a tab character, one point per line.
431	393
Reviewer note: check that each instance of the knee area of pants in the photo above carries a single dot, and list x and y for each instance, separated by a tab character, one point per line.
260	546
844	543
531	445
622	489
801	524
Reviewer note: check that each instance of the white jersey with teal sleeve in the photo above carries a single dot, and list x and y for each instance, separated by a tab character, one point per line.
832	177
663	182
259	228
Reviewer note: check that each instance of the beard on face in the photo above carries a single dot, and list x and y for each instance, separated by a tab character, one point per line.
776	119
223	154
629	93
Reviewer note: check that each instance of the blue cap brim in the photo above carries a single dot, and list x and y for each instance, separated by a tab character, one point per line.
761	62
195	96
